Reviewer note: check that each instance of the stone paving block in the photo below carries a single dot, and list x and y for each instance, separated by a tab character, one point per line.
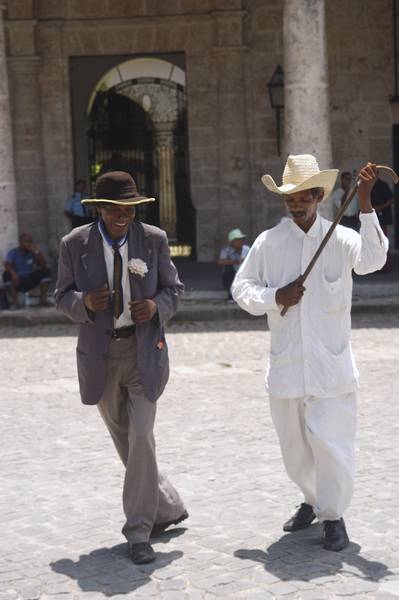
172	584
173	595
390	587
282	588
258	596
8	595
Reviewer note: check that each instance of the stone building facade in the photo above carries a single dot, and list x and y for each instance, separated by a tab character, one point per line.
337	57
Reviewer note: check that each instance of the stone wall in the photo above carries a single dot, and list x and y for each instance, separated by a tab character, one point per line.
360	49
232	48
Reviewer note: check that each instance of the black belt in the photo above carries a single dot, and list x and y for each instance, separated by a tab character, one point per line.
123	332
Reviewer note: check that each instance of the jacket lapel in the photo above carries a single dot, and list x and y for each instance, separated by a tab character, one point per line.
137	248
93	259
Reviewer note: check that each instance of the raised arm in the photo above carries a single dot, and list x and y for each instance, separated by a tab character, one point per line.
369	252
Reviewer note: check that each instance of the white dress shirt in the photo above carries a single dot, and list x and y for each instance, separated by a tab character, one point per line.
310	351
125	319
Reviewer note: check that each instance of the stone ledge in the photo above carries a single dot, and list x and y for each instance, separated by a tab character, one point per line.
189	311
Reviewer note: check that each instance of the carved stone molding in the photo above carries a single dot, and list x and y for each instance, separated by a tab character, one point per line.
158	99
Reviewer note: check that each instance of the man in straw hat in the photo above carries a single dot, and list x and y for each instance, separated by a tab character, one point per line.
116	279
312	377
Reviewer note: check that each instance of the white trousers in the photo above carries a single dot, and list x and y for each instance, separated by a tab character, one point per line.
317	437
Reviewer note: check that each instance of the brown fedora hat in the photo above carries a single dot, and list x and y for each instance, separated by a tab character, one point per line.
117	187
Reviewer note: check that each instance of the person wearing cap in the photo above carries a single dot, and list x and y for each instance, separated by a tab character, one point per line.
312	378
116	279
231	257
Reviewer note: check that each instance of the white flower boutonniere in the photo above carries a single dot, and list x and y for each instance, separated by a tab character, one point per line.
137	267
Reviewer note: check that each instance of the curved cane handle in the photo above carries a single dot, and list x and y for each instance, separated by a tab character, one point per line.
388	171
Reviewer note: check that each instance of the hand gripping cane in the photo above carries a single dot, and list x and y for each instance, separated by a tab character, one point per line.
334	224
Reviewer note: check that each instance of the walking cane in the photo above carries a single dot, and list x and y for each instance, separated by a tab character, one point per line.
334	224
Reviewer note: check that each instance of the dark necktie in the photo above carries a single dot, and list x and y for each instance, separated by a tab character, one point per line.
118	291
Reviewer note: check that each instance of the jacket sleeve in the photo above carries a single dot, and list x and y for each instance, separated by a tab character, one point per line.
249	287
68	299
368	252
169	284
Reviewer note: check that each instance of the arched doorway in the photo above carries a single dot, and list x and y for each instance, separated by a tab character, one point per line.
138	122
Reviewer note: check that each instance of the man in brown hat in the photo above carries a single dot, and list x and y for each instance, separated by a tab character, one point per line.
116	279
312	378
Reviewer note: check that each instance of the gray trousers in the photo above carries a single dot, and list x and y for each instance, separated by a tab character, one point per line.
148	497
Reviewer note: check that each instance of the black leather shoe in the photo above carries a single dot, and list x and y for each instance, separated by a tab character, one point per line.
141	553
302	518
335	536
161	527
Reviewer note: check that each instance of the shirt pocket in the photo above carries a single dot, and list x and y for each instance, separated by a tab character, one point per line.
281	335
333	297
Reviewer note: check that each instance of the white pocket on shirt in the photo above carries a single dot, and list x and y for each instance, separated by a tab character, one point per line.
281	357
333	295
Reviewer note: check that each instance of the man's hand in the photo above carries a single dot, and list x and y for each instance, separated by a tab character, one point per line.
142	310
97	299
368	176
290	294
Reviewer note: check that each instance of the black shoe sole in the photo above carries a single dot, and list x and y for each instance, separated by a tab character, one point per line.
143	561
158	530
299	527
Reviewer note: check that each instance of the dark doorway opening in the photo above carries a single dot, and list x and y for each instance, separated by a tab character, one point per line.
121	138
117	133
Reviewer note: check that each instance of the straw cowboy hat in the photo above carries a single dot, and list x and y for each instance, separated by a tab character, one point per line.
117	187
301	172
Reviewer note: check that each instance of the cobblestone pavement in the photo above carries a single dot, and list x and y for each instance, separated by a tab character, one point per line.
61	479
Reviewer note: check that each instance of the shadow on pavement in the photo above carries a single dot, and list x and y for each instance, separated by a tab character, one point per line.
300	556
109	570
170	534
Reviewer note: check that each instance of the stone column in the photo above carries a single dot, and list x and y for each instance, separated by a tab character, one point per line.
8	198
29	167
160	101
167	191
229	55
306	111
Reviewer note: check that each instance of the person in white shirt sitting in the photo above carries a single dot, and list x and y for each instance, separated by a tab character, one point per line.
338	197
312	378
231	257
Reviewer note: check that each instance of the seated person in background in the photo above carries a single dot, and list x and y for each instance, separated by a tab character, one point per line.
338	197
25	268
231	257
73	209
4	303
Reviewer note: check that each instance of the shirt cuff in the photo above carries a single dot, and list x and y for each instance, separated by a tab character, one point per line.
269	298
369	217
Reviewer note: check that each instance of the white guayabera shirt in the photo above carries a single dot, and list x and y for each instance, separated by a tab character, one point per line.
310	351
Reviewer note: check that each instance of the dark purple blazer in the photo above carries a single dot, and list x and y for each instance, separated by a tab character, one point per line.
81	269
